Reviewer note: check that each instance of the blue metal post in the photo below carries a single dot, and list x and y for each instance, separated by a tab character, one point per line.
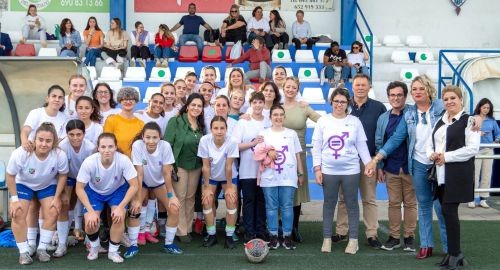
118	9
347	21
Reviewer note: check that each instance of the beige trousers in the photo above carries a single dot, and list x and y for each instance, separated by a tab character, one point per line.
400	190
483	168
185	190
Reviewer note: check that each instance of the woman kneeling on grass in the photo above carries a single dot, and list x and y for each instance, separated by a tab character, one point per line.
40	174
279	181
107	177
218	151
153	159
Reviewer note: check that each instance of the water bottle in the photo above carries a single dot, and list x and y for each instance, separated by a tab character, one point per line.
57	31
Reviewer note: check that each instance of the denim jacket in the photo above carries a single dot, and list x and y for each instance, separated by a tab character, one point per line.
74	38
407	129
382	122
491	130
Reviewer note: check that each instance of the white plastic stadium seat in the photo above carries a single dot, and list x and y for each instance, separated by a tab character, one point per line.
308	74
217	73
160	74
401	57
321	54
310	123
425	57
47	52
375	40
92	73
182	71
281	56
110	74
289	72
392	41
415	41
228	70
408	74
149	93
313	95
304	56
135	74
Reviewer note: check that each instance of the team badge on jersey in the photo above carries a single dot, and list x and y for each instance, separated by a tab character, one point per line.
31	171
144	162
98	179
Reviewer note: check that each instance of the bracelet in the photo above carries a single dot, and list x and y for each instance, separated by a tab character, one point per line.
14	198
170	195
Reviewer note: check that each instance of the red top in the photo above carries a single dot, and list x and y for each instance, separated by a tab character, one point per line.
164	43
254	57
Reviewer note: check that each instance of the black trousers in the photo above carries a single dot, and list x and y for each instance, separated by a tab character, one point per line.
297	43
254	207
140	52
283	38
233	36
113	53
452	223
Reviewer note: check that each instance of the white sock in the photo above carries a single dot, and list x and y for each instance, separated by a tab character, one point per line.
170	234
142	219
23	247
151	211
32	235
133	233
113	248
62	232
40	223
45	238
71	215
96	243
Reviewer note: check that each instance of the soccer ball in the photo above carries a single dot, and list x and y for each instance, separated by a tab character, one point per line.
256	250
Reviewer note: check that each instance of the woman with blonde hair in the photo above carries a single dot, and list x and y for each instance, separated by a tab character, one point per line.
114	51
233	27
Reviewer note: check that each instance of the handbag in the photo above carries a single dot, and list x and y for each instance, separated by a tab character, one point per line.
236	50
432	179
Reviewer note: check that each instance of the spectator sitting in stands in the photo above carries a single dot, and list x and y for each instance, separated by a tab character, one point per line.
94	39
140	42
233	27
335	60
259	58
301	31
69	40
356	59
257	26
191	31
5	44
115	44
34	27
164	46
278	30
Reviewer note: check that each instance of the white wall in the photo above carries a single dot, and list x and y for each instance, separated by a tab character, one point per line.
476	26
321	22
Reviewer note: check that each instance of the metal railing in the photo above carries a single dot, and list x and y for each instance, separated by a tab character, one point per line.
370	50
457	72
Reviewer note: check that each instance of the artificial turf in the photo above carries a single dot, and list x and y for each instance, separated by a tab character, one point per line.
480	244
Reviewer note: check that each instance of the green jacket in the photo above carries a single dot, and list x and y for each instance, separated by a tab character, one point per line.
184	142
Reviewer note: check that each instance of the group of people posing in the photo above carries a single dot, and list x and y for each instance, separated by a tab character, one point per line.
83	155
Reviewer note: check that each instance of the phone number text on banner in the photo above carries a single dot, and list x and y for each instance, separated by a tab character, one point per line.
61	5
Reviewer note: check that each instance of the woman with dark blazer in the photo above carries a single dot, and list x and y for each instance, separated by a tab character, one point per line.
452	148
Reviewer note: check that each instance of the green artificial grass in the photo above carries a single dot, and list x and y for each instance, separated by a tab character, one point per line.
479	244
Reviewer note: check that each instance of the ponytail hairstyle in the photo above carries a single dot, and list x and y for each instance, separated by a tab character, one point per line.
75	124
52	89
48	126
95	116
149	125
107	135
218	118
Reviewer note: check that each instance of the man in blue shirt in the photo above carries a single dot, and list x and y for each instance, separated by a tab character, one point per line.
191	31
395	172
5	44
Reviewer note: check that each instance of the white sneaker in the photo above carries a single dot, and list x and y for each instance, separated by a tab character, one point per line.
51	247
327	245
483	204
60	251
142	62
93	253
352	246
132	62
72	241
120	59
471	205
32	250
115	257
110	61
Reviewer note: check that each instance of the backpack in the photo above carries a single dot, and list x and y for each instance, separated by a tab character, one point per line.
211	36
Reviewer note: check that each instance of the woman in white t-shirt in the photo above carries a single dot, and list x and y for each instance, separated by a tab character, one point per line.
246	134
88	112
52	111
180	93
153	159
107	177
218	153
209	74
40	175
191	80
168	91
154	112
77	87
221	107
104	98
339	141
236	101
280	182
236	82
356	59
34	27
77	149
207	91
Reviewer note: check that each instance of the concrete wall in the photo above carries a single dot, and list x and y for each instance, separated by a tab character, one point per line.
476	26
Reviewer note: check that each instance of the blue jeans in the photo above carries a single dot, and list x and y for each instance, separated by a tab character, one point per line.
364	70
164	52
91	55
425	203
254	210
330	73
277	198
192	37
68	53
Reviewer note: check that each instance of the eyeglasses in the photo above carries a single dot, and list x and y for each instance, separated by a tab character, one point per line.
396	95
339	102
103	92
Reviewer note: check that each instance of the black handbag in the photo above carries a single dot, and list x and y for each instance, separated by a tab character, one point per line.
433	181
